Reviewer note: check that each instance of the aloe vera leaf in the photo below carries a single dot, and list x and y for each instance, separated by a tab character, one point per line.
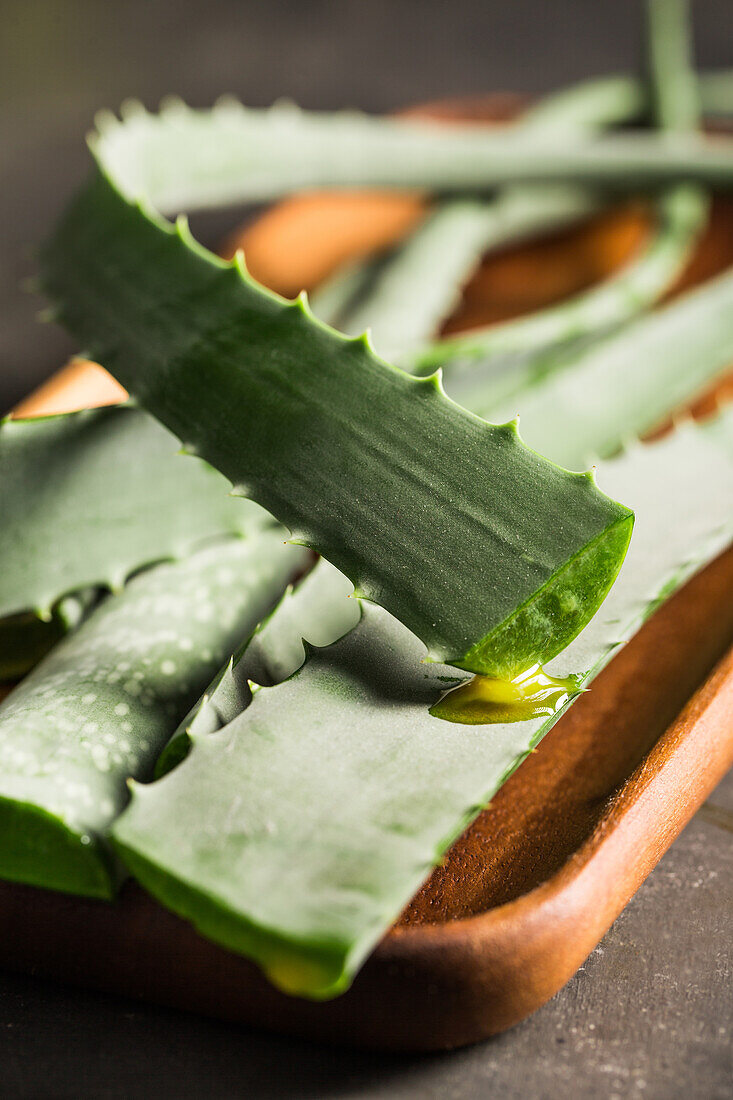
623	387
588	106
102	704
316	611
332	298
608	101
680	214
403	297
296	834
419	286
183	158
361	461
88	497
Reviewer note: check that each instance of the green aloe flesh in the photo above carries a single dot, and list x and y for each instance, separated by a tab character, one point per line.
88	498
297	832
317	612
99	709
448	522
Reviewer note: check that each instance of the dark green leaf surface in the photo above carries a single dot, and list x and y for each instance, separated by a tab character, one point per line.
296	834
102	705
449	523
87	498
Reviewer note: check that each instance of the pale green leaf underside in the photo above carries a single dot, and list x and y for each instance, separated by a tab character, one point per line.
312	818
678	218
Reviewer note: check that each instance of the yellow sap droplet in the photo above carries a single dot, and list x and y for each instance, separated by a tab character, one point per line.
297	976
485	701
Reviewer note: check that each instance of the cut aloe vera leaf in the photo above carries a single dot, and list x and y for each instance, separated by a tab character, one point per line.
317	612
100	707
297	833
89	497
448	522
624	387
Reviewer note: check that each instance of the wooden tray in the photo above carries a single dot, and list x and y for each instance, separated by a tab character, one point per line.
528	891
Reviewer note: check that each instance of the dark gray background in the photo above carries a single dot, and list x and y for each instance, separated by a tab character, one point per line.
649	1015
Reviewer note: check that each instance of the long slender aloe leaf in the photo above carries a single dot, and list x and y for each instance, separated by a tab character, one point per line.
183	158
420	284
86	499
620	389
586	107
674	92
678	218
332	299
296	834
680	214
316	612
449	523
101	706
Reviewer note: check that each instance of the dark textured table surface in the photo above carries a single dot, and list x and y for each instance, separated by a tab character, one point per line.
649	1015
